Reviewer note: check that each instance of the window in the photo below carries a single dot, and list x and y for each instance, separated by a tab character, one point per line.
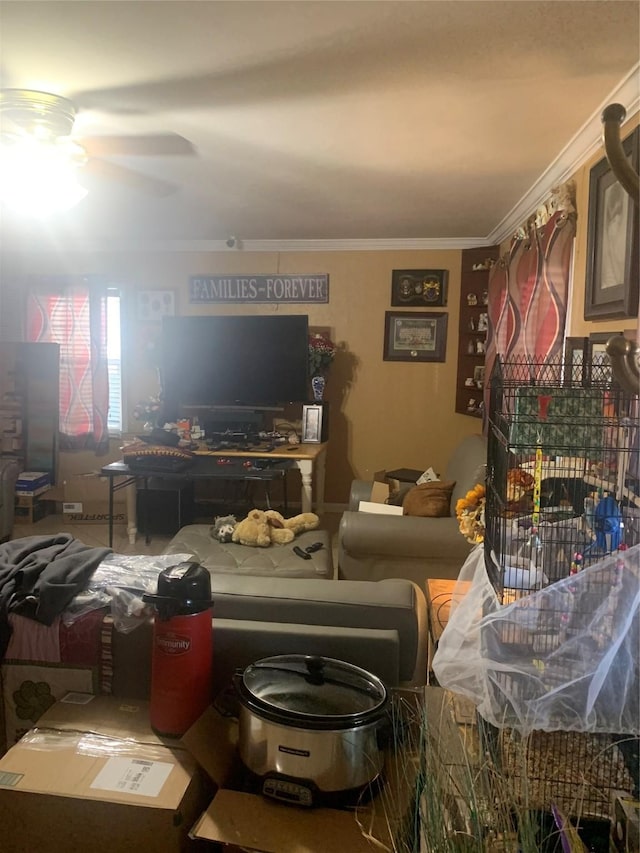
114	363
73	312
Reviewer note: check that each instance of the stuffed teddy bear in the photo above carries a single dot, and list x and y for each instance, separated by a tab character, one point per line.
261	529
223	527
253	530
297	524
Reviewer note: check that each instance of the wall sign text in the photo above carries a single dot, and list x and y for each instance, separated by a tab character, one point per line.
259	288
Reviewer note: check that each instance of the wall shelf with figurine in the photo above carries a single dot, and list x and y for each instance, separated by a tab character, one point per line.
473	327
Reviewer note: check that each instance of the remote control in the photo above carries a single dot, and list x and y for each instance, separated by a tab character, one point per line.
297	550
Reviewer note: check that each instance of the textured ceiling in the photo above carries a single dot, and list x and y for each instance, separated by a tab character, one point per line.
361	121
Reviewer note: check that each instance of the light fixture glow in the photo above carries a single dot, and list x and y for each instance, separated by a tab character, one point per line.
40	177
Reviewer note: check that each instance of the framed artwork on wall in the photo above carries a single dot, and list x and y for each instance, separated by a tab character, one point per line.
611	287
598	365
575	359
419	336
153	305
419	287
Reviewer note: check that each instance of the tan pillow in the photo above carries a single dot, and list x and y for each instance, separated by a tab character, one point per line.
429	500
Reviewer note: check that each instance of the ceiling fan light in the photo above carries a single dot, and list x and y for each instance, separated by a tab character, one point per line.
37	179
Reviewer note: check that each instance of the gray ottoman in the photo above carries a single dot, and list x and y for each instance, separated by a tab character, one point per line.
275	561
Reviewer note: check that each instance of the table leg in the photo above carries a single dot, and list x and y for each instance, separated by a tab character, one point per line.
110	512
319	478
306	472
132	529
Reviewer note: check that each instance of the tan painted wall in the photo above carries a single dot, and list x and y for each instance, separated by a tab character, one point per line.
383	414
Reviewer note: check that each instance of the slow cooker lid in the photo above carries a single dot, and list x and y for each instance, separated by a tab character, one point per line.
314	686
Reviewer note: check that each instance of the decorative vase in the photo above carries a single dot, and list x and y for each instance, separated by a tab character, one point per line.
317	386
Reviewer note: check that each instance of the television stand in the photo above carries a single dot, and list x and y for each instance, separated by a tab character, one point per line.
309	459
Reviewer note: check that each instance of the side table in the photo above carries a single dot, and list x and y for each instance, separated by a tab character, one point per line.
439	593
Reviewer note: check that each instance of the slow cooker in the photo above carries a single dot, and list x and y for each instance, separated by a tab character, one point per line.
312	730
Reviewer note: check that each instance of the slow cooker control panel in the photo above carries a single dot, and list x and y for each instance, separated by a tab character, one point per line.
288	791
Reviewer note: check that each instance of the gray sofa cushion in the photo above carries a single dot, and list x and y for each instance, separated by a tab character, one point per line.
274	561
379	626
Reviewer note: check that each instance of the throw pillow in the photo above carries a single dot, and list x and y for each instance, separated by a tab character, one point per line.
429	500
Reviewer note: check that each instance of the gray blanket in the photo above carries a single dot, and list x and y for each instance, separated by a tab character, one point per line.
39	576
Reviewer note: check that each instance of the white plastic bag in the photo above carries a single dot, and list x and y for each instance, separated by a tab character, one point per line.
564	657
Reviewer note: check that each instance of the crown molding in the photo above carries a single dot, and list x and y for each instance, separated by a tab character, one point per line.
583	145
264	246
586	142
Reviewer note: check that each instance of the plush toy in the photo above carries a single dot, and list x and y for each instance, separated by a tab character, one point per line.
223	527
297	524
262	529
253	530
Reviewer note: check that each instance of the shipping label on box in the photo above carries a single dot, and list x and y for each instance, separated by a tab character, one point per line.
91	512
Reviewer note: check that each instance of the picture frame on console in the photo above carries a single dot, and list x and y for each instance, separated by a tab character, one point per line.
612	241
415	336
315	423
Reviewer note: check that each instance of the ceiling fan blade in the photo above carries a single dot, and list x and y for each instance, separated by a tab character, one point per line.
134	180
150	145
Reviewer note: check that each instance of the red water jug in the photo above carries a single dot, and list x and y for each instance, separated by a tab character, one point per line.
182	653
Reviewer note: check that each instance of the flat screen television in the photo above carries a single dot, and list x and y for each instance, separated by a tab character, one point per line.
231	361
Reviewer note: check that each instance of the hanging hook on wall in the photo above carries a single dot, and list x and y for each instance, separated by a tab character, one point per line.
612	119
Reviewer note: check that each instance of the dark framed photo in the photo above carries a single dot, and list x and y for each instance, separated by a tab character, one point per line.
612	241
598	365
419	336
575	360
419	287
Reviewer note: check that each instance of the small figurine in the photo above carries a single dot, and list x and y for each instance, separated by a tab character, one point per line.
472	325
472	299
485	297
480	348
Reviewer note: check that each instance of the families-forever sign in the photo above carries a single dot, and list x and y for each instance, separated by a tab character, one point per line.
259	288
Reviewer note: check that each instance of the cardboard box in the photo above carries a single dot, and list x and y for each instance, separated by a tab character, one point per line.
381	488
30	481
29	513
253	822
29	498
86	500
93	776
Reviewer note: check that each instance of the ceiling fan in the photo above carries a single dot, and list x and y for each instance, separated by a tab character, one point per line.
27	114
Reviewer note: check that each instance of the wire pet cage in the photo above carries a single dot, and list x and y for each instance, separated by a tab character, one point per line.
562	512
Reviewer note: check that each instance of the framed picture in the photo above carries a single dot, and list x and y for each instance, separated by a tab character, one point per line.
153	305
415	336
315	426
419	287
575	360
598	366
612	242
478	375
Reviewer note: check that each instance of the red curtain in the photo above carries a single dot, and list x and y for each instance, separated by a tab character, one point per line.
72	312
528	292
